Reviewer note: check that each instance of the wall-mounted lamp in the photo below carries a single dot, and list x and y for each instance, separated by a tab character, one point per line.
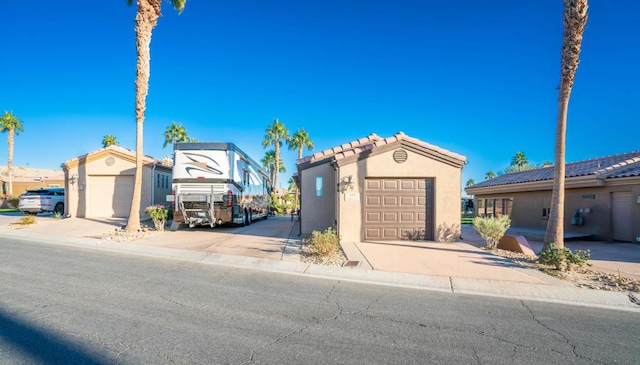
347	183
73	179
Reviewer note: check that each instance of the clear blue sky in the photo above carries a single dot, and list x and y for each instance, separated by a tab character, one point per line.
476	77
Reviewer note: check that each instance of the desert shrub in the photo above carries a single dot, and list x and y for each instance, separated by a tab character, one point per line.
158	213
492	229
277	207
324	243
448	233
27	220
57	215
13	202
564	259
414	235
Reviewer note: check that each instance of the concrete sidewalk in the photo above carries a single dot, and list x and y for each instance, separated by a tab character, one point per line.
455	268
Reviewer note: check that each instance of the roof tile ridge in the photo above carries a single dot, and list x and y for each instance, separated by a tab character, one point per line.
604	172
637	152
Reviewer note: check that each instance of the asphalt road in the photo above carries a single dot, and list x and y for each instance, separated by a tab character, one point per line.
65	305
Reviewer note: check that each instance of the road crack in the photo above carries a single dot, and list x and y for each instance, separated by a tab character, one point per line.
565	338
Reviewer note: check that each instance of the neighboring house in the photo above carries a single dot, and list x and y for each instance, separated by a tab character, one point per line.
100	183
21	184
381	189
602	197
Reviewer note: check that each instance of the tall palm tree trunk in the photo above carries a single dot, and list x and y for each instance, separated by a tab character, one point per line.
10	161
146	20
575	18
277	172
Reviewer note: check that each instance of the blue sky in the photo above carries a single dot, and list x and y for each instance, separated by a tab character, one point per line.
478	78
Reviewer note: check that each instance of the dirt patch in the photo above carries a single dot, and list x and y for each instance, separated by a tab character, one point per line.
582	277
307	255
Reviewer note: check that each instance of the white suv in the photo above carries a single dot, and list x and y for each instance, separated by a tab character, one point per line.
42	200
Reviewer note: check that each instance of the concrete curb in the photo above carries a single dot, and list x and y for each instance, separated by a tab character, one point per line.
455	285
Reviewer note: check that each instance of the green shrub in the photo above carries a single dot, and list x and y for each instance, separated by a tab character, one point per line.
492	229
13	202
57	215
324	243
158	214
562	258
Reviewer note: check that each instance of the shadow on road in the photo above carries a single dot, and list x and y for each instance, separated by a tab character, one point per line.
40	346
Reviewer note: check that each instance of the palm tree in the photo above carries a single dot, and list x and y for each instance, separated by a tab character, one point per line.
269	163
109	140
13	126
147	16
294	188
519	160
275	135
175	133
470	182
299	141
489	175
575	19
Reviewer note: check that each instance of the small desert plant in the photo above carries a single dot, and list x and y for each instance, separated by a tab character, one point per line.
492	229
324	243
57	215
13	202
448	233
563	258
158	214
27	220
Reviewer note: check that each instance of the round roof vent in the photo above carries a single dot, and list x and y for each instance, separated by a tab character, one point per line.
400	155
110	161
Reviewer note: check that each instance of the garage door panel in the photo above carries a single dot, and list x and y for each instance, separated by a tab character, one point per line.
373	201
407	201
407	185
390	217
408	217
390	184
390	201
373	184
406	209
390	233
373	217
110	195
373	233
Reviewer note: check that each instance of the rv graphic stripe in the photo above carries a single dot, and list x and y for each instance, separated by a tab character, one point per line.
198	164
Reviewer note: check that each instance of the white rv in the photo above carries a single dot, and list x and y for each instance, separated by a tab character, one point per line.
217	183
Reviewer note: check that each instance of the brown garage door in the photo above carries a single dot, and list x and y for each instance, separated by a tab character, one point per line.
398	209
110	195
622	216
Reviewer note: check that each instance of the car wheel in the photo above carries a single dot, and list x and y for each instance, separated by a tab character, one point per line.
59	209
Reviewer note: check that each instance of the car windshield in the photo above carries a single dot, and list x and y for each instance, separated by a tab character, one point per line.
43	192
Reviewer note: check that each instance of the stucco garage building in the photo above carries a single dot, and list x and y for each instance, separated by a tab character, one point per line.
381	189
100	183
602	197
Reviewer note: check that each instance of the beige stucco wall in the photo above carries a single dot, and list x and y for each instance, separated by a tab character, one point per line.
77	194
317	213
447	190
527	209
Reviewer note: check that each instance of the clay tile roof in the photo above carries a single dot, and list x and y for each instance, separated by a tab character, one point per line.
622	165
369	142
319	156
118	149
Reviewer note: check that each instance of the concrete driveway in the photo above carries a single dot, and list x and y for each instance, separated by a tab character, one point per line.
268	239
262	239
